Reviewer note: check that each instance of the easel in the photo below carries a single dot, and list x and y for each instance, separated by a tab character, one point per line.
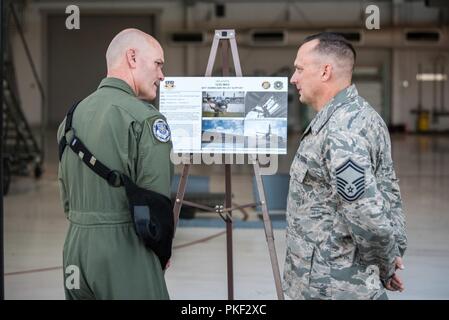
230	35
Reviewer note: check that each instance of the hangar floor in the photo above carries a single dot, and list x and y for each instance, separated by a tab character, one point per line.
35	229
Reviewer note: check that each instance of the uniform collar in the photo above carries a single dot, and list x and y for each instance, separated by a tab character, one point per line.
323	116
116	83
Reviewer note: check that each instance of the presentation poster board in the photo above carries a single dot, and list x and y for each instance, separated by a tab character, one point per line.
226	114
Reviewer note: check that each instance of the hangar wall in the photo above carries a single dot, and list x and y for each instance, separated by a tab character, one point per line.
399	64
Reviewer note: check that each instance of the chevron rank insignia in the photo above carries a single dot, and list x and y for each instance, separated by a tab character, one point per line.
350	180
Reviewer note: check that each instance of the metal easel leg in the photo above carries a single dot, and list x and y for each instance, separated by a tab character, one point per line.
228	204
228	191
180	195
268	230
230	35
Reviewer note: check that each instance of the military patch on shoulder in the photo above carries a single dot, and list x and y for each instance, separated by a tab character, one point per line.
161	130
350	180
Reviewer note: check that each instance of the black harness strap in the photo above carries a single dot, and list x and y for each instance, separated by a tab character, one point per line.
151	212
67	128
111	176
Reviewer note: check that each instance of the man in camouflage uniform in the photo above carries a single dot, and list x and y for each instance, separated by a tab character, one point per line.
346	230
126	133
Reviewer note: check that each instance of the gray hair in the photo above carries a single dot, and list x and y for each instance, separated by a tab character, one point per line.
333	44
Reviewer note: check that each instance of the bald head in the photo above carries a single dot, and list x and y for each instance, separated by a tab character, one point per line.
125	40
136	58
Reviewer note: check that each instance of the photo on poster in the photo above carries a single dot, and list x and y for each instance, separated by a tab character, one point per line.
260	105
222	134
223	104
220	114
263	133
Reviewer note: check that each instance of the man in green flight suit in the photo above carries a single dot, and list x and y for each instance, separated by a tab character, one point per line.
103	258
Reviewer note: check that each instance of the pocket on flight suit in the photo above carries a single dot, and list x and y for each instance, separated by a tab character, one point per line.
297	190
303	174
298	169
302	254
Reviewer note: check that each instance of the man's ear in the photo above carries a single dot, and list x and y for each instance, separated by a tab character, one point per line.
131	58
326	72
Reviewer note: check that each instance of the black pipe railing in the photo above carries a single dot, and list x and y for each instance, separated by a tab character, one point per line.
36	78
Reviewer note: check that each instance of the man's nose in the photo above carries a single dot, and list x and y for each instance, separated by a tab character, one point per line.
293	79
161	76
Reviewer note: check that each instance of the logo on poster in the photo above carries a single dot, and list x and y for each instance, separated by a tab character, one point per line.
278	85
169	84
266	85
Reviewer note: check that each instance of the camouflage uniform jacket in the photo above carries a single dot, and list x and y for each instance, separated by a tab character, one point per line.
345	224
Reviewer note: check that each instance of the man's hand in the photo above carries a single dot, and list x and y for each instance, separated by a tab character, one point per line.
395	283
167	265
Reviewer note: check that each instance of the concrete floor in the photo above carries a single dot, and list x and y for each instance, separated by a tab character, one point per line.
35	228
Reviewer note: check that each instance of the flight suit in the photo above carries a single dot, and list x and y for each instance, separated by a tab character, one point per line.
122	132
345	224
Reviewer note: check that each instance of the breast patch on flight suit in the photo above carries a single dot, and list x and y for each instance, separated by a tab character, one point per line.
350	180
161	130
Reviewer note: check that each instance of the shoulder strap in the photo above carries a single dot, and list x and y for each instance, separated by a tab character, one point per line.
113	177
67	127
